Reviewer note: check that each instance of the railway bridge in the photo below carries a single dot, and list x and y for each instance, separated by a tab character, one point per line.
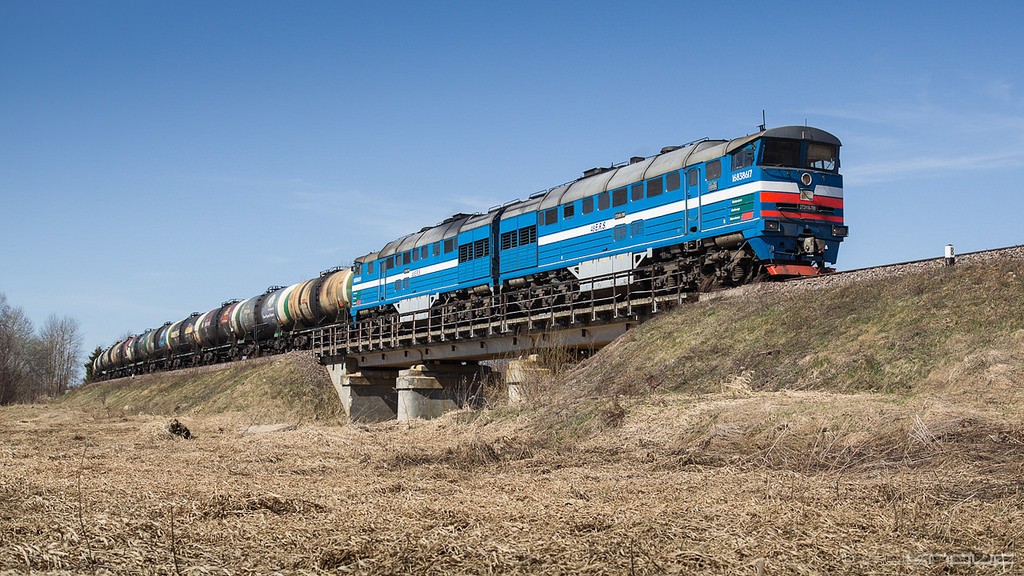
420	366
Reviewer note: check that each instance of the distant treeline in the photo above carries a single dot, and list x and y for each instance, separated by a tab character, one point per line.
37	364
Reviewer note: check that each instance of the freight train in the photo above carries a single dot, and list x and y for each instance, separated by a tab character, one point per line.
718	213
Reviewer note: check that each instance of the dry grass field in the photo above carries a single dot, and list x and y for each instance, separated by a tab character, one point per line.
627	464
738	482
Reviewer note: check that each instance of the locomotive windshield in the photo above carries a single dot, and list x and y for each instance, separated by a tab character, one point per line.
788	153
822	156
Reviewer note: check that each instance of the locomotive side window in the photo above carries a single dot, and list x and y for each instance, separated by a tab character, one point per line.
714	170
636	191
449	245
509	240
424	252
389	263
691	178
822	157
527	235
369	267
568	211
474	250
781	153
481	248
549	216
406	258
437	248
602	201
588	204
743	158
636	228
619	197
415	255
672	181
654	186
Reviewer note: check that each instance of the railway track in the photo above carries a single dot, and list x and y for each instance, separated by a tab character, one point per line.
884	270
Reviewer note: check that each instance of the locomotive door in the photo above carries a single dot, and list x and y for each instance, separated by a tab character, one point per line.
693	192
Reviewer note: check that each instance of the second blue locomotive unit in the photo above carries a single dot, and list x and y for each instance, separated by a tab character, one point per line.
708	214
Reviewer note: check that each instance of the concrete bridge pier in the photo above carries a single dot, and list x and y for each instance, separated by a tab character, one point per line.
429	390
523	374
367	394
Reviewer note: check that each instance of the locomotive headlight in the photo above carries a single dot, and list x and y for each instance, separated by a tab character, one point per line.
772	226
806	179
840	231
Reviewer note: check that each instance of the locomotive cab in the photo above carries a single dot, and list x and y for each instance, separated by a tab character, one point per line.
801	200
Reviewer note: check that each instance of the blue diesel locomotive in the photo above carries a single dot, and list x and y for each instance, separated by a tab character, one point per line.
723	211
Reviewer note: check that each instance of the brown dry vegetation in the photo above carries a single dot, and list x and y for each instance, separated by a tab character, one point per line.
873	429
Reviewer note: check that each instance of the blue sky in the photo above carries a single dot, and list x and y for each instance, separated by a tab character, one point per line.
158	158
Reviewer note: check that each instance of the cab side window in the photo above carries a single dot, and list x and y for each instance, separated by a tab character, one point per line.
743	158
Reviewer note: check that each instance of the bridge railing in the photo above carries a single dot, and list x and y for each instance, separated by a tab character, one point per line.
628	294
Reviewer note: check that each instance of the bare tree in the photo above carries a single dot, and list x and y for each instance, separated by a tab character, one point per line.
16	342
61	345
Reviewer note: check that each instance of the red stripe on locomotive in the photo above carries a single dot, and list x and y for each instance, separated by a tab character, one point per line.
786	197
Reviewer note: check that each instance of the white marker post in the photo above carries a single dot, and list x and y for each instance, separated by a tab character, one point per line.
950	255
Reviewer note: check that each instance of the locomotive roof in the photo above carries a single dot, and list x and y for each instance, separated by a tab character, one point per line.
446	229
604	180
528	205
669	161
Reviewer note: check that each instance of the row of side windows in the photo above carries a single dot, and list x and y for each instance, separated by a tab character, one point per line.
478	249
633	193
635	229
521	237
415	255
